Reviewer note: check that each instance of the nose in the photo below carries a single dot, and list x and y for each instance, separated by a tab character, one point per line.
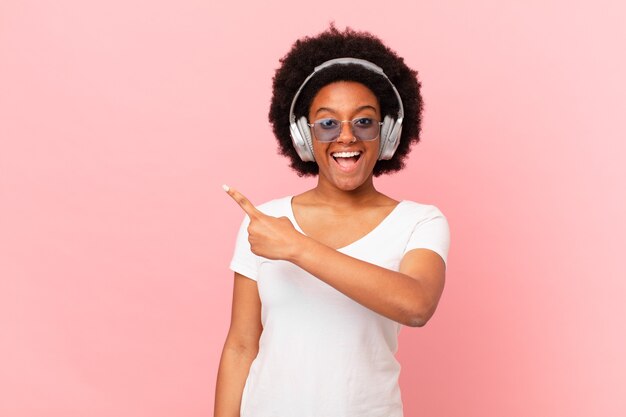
346	135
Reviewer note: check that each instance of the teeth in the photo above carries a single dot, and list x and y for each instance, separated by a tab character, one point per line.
345	154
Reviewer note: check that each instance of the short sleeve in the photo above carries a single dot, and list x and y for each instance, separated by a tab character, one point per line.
244	261
431	233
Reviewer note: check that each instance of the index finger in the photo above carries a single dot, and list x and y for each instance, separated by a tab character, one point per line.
243	202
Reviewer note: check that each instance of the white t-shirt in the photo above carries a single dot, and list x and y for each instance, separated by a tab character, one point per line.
321	354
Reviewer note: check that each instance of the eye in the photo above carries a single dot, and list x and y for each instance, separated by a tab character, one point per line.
363	122
327	123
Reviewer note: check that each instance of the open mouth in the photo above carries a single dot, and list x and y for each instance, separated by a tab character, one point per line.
346	160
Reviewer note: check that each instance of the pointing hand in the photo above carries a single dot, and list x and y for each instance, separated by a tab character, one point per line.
269	237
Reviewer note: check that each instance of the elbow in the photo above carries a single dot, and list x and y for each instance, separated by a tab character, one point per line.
242	348
419	310
418	317
416	321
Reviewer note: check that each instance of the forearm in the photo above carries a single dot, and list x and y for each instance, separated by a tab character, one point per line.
395	295
231	378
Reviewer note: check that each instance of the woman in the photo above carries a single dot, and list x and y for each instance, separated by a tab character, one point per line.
324	280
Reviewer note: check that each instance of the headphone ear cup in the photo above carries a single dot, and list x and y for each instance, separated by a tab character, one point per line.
390	133
301	138
305	130
385	131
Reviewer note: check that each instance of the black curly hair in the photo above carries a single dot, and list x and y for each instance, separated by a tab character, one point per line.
309	52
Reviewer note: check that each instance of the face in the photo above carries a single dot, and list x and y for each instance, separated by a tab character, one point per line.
347	163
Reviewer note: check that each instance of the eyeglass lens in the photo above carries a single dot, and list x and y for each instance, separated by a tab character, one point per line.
363	128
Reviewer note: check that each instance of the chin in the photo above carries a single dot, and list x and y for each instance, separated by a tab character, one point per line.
351	183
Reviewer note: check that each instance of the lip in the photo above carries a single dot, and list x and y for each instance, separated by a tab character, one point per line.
353	167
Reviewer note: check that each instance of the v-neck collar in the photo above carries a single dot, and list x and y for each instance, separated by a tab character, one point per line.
387	218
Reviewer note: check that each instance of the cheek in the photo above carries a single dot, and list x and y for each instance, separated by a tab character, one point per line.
319	149
372	149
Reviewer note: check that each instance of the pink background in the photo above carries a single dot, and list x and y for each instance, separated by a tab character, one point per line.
119	121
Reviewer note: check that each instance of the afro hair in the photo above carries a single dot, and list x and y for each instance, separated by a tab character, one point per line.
309	52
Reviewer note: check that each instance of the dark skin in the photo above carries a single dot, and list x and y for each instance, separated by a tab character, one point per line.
342	208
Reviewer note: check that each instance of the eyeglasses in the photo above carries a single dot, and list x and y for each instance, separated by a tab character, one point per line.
328	130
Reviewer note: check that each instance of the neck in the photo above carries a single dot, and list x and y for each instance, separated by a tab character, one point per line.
331	195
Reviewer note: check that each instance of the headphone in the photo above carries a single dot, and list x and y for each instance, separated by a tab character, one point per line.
390	130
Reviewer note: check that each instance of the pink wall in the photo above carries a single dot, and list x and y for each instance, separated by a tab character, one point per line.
119	121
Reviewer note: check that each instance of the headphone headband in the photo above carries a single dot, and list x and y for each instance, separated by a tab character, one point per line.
346	61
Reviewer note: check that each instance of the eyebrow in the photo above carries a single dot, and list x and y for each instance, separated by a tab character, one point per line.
328	109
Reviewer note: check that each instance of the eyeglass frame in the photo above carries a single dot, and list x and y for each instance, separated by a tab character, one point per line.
341	122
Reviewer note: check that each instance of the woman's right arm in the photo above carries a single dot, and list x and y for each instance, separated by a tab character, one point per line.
240	348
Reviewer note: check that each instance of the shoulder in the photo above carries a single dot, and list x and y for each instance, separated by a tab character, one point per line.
419	211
